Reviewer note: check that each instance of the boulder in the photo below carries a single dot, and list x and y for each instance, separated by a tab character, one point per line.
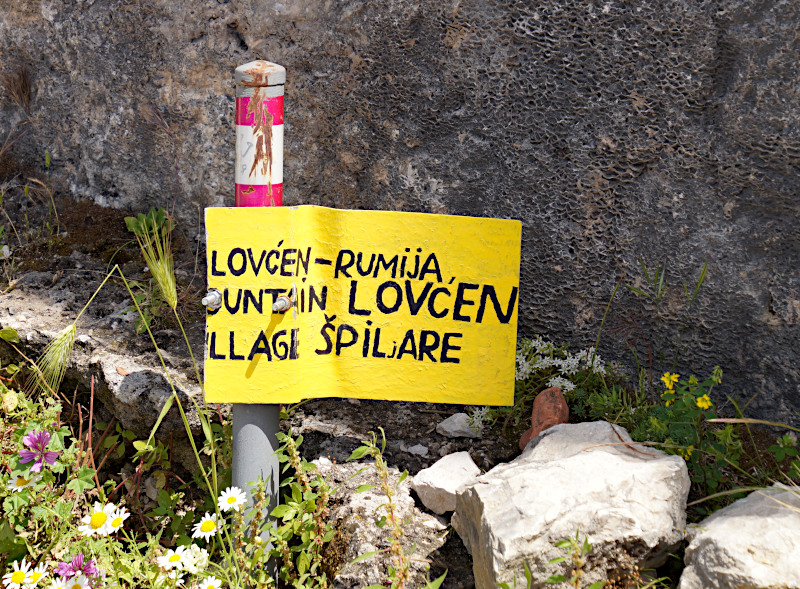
753	543
549	409
628	499
436	486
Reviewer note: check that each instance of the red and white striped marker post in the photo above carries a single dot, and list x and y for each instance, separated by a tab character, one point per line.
259	183
259	134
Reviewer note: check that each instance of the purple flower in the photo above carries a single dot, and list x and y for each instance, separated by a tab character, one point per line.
37	441
76	567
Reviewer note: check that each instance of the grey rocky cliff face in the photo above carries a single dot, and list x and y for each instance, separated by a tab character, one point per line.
614	131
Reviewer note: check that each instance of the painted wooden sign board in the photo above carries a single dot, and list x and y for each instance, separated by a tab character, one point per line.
387	305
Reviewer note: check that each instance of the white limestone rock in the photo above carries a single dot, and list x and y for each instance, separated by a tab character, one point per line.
628	499
753	543
355	515
436	486
457	426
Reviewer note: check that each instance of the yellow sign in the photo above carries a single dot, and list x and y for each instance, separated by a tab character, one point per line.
386	305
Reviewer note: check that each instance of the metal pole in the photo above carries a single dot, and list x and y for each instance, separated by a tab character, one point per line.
259	183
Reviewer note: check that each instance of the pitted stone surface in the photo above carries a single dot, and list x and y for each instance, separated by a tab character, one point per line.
615	131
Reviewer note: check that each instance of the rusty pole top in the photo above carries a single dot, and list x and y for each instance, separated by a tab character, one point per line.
260	73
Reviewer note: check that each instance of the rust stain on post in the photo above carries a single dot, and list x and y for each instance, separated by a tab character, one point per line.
260	73
262	130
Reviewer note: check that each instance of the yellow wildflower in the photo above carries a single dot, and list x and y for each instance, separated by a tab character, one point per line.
686	453
704	402
669	380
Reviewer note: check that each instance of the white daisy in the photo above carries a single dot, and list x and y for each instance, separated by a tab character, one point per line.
115	522
231	498
20	482
173	559
210	583
195	559
37	574
98	522
206	527
76	582
169	580
21	575
59	583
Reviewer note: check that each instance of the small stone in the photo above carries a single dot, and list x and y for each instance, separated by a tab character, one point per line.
437	486
457	426
150	488
322	462
418	450
549	409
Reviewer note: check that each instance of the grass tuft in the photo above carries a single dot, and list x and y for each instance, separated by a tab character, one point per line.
52	364
153	232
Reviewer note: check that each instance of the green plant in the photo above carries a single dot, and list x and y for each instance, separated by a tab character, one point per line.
303	530
663	347
682	424
398	573
149	302
576	554
399	569
541	364
619	405
153	232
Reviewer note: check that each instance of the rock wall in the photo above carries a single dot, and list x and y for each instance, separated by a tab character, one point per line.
665	132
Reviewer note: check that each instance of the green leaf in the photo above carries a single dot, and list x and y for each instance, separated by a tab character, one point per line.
142	446
11	546
403	477
362	488
528	575
364	556
637	291
555	579
83	481
10	335
132	224
359	453
282	511
597	585
164	499
435	584
303	562
556	560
